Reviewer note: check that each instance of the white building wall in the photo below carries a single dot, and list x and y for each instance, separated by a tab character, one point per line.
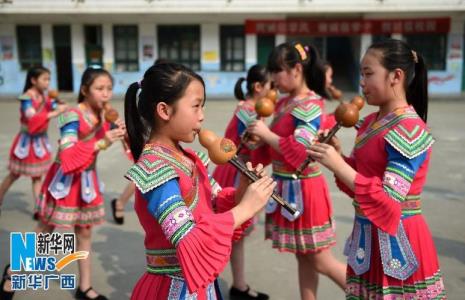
279	39
210	47
48	52
147	15
107	44
147	45
232	6
78	55
250	50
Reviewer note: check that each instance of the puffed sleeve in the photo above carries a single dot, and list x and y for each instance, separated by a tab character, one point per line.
75	155
341	185
36	121
246	116
380	198
203	244
307	118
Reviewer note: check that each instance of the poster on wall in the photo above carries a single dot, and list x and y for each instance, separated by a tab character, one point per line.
47	55
147	48
210	56
6	48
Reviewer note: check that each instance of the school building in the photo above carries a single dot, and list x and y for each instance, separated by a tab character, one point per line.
220	39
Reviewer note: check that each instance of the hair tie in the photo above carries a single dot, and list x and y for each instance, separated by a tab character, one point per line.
301	50
139	89
415	56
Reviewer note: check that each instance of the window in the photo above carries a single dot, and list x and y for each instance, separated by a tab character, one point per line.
126	48
29	46
180	44
93	45
434	56
232	48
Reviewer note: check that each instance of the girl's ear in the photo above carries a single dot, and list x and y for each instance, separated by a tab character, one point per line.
164	111
84	90
298	69
33	81
257	87
397	76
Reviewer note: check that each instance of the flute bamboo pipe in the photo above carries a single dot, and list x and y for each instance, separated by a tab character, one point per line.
223	151
347	115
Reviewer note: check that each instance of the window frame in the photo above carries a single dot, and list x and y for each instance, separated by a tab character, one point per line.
122	35
29	46
178	39
228	32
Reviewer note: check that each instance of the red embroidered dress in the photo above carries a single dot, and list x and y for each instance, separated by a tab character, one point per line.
391	254
30	153
71	194
297	122
187	244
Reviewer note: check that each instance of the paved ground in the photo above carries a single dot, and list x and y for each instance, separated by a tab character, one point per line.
118	254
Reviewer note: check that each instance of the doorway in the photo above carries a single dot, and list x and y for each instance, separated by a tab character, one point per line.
341	54
62	44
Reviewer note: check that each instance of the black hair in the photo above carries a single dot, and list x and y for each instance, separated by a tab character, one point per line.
396	54
34	73
287	55
88	77
164	82
256	73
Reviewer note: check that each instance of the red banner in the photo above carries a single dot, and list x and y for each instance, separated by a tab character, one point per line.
347	27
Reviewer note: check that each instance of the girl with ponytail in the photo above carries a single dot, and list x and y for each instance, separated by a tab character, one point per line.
391	253
118	204
30	152
258	84
296	70
71	196
189	222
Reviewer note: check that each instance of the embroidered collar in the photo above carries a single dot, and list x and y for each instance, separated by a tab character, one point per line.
179	157
389	119
89	117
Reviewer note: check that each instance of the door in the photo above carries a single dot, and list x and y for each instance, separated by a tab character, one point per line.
265	44
62	43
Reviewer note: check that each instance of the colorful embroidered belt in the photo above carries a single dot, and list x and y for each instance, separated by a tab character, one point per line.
24	129
410	207
279	169
162	262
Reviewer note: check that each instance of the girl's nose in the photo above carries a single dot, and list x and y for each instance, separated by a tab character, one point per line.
202	115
